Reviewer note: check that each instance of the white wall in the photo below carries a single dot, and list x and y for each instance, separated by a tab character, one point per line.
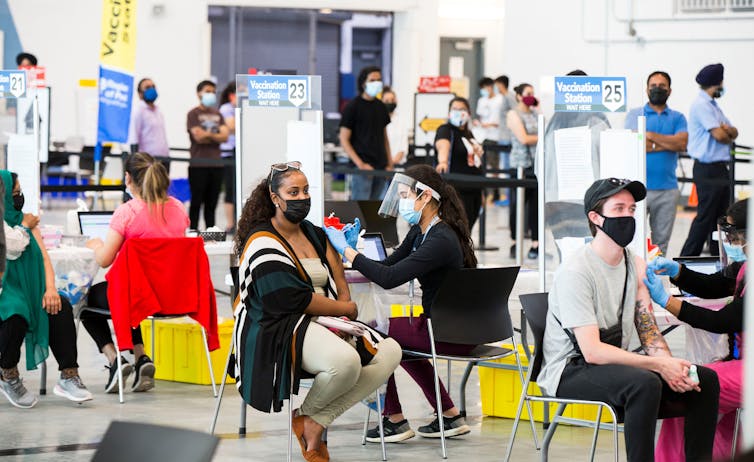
544	37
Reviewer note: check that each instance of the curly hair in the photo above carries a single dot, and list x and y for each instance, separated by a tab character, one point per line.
450	209
259	208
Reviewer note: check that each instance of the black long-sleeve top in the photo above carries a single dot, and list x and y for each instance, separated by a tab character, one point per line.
730	318
441	251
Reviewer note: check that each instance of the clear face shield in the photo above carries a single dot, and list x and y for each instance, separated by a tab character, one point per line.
732	242
402	187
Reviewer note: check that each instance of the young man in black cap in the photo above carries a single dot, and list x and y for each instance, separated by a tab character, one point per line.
710	136
597	301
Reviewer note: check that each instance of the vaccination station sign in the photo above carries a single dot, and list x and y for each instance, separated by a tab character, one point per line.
590	94
12	84
280	91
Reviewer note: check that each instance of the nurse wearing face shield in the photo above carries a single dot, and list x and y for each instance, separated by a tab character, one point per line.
437	242
730	281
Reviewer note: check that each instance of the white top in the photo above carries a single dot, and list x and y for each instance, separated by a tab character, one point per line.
397	135
16	240
488	111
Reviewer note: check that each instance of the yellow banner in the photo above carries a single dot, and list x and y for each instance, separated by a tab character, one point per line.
118	47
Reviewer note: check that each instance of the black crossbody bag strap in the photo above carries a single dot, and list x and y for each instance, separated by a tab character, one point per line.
569	332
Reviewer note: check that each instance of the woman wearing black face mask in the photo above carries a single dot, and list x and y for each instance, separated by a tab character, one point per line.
290	274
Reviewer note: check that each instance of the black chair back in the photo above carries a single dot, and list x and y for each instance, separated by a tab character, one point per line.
134	441
535	310
471	306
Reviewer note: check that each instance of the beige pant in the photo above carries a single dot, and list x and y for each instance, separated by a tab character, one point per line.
340	379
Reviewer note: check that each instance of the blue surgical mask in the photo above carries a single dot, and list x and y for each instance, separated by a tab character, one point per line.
406	210
150	94
209	99
457	118
484	93
373	88
735	253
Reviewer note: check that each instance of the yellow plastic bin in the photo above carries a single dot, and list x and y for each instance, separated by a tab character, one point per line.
179	353
500	390
399	311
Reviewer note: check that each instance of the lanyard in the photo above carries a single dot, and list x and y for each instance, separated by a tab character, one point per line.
411	283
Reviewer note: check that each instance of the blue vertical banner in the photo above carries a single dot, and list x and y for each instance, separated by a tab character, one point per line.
116	81
115	98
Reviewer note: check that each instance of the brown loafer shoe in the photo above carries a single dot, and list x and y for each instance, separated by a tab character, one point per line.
323	450
298	429
314	456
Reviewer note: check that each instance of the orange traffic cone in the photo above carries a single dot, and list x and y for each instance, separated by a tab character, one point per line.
693	200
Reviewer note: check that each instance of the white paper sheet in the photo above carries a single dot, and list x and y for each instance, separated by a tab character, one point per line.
455	67
23	160
573	151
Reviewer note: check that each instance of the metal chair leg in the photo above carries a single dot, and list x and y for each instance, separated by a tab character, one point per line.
735	434
440	417
223	382
379	420
523	383
366	425
290	427
464	380
43	378
209	363
551	432
153	337
524	397
242	421
596	432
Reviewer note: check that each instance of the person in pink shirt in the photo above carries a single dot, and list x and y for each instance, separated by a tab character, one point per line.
150	214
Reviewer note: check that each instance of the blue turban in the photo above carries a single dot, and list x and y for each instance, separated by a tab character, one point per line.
710	75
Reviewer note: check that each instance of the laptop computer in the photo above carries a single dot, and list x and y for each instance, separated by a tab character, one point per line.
374	246
95	224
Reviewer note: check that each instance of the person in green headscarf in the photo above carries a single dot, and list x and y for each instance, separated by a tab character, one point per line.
31	308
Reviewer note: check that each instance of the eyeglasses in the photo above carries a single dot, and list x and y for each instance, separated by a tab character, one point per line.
283	166
730	232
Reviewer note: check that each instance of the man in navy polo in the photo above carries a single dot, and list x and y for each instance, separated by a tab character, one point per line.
666	137
710	136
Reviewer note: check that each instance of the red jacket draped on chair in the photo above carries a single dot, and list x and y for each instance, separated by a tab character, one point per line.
166	276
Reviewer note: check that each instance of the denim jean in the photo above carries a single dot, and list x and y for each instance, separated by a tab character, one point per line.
365	187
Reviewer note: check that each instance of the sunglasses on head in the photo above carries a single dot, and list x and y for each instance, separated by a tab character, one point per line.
618	181
282	167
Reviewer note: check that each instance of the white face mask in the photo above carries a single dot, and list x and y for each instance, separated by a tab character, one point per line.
373	88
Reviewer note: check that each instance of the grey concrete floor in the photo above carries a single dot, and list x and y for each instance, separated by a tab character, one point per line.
59	430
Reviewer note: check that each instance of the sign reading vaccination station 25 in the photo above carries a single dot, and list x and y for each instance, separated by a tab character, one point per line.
280	91
590	94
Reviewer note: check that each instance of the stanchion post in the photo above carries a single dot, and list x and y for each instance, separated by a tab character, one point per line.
520	201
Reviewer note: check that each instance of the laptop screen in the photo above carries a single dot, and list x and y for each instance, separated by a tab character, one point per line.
374	247
95	224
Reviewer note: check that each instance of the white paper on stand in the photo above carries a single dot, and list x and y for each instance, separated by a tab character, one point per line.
300	147
24	161
573	151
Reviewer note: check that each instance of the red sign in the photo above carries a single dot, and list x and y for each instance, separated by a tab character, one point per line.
437	84
35	76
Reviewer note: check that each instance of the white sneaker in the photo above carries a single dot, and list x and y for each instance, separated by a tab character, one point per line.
72	388
17	393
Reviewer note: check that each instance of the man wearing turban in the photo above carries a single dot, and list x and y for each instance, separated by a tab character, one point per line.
710	137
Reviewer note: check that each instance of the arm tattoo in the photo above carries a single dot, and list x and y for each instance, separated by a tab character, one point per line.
649	334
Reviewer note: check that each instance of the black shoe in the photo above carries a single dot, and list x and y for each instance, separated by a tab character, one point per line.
454	426
394	432
513	251
144	377
112	381
533	253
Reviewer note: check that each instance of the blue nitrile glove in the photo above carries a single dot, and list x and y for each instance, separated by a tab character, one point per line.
352	231
664	267
337	239
656	290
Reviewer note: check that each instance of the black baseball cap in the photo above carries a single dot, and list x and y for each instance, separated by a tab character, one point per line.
602	189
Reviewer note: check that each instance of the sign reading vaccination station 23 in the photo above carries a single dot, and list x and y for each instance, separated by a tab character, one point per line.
280	91
590	94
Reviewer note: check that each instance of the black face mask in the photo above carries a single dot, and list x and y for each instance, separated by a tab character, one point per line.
297	210
620	229
391	107
658	96
18	201
719	92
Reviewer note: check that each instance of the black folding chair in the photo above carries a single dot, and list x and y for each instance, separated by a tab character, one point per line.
134	441
471	308
535	309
